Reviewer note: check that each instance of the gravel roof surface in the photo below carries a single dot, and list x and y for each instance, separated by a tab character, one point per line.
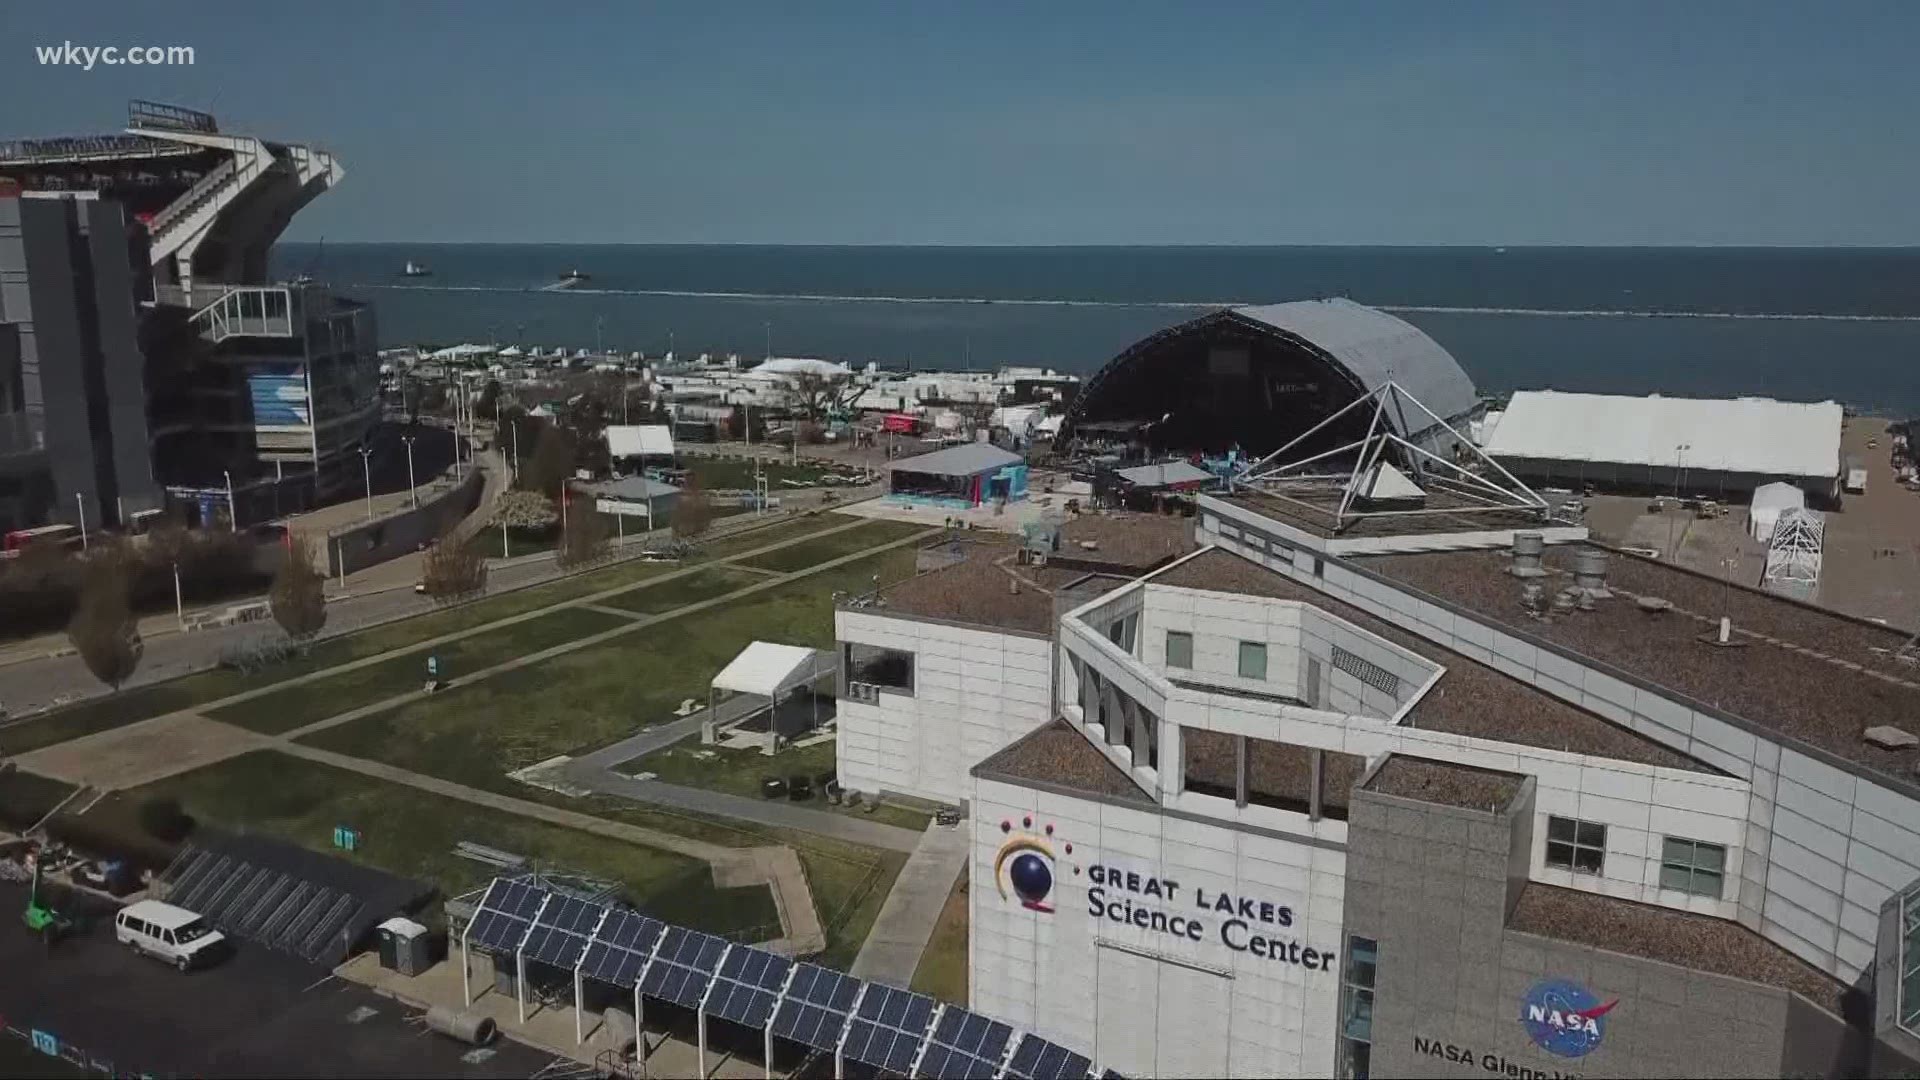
1702	942
1445	783
1319	519
1057	753
989	588
1125	541
1808	674
1470	699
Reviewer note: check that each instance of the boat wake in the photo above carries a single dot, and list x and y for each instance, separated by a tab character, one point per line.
1196	305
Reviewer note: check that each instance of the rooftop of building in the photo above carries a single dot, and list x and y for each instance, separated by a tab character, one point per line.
989	586
1806	673
1312	512
1124	541
1470	699
1057	753
1700	942
1446	783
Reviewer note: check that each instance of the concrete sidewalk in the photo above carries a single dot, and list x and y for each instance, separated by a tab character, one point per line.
900	934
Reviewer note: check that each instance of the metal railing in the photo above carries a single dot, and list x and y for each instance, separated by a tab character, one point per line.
202	191
264	311
154	114
89	148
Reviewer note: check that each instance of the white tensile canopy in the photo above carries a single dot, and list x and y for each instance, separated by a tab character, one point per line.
766	670
639	440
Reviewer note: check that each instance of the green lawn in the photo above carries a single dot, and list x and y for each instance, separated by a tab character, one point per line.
740	771
704	584
820	549
777	530
590	697
715	474
25	797
518	541
413	833
943	966
297	706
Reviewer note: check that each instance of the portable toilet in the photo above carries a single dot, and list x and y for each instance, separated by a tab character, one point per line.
405	946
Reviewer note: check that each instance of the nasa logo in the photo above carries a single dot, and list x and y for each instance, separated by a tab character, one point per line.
1564	1018
1024	866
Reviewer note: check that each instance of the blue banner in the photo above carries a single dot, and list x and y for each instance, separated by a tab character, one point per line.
279	397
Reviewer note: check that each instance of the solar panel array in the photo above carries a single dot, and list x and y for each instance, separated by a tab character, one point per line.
888	1027
683	966
505	914
1038	1059
747	985
815	1008
818	1007
964	1045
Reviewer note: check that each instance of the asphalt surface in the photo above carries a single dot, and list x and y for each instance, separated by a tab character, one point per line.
259	1013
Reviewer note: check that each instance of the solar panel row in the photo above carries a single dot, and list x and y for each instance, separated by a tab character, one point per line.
743	984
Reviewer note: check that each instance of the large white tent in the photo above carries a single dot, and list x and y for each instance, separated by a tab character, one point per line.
639	440
1693	444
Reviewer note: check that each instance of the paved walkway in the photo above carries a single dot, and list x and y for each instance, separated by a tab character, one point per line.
900	934
770	812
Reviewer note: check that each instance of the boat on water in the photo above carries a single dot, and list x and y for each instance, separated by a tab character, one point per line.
568	280
415	269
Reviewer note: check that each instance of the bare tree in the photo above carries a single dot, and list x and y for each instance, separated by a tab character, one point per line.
551	464
298	596
811	393
454	571
692	510
584	542
103	630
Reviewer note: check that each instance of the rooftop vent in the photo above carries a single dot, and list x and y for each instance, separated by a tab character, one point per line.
1590	573
1653	605
1527	548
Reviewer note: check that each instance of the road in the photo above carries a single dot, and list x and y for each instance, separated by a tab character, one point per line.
261	1013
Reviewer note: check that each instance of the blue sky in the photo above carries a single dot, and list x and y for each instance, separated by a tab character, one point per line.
1041	123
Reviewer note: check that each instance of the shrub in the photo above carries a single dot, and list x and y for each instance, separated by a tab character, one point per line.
298	596
103	630
164	820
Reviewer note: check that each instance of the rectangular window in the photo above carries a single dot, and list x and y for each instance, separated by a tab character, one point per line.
1179	649
875	666
1580	846
1692	866
1253	660
1356	1007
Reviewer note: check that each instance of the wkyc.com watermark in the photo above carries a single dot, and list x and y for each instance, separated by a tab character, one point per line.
85	57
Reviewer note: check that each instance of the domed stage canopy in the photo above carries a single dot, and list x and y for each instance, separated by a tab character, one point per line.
1254	378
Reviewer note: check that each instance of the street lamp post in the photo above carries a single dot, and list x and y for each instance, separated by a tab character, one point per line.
80	503
179	601
366	472
233	510
769	339
412	490
516	448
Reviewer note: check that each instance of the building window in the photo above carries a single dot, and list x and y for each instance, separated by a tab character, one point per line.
1356	1008
1910	961
1693	867
1179	649
1253	660
1580	846
1121	631
875	666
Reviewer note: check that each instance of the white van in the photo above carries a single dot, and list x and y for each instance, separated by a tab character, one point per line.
168	933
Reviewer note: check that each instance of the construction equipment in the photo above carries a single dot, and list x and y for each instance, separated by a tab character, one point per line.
41	918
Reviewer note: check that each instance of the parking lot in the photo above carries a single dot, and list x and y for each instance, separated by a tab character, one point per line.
259	1013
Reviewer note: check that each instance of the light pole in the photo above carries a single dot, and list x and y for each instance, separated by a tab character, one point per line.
516	449
411	489
179	602
366	472
769	339
1679	459
233	510
80	502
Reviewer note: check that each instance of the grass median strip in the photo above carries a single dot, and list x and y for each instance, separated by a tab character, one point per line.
700	585
413	833
297	706
820	549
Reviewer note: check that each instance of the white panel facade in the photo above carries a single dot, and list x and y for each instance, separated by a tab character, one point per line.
1197	991
974	691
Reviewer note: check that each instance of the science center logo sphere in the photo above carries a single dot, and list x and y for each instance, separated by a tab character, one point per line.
1564	1018
1031	877
1024	865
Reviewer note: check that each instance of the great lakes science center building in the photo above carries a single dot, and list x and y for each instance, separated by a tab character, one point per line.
1424	796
